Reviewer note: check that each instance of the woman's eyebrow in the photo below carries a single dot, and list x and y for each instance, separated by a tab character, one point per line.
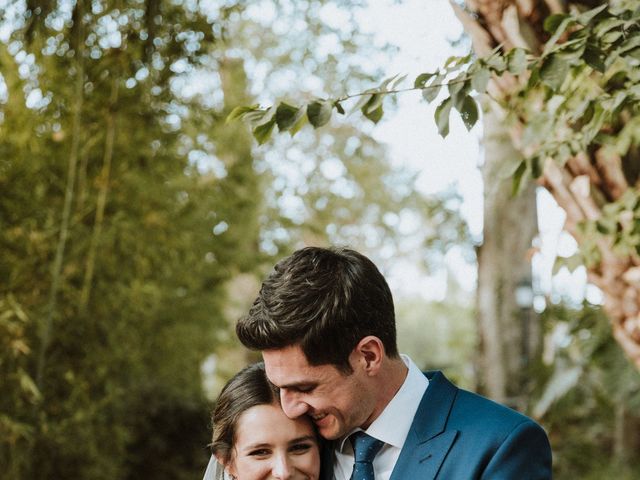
305	438
253	446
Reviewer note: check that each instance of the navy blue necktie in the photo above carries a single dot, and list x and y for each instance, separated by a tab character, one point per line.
365	448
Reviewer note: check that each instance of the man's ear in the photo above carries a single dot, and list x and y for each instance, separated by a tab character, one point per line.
370	352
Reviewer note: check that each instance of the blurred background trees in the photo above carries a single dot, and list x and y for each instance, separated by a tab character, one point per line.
136	224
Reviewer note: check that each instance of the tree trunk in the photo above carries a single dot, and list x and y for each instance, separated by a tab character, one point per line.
105	174
586	182
56	269
503	263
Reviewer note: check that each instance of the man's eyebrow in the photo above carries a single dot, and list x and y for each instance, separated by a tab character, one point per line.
297	385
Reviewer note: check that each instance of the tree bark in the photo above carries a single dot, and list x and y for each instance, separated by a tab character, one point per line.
503	263
585	183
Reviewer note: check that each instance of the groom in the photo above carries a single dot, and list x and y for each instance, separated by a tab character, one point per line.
325	323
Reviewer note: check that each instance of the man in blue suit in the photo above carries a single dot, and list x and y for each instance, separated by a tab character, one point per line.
325	323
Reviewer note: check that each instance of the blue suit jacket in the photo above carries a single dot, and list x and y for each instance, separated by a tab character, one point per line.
458	435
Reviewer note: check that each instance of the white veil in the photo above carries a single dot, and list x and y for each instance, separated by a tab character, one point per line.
215	471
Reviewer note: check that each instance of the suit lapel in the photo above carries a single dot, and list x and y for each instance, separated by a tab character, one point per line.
326	457
428	442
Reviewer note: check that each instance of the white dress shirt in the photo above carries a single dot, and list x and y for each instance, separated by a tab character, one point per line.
392	427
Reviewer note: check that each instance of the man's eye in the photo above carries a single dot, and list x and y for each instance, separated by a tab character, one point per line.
308	389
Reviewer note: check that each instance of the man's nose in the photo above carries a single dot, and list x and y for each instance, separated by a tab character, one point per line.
291	404
281	468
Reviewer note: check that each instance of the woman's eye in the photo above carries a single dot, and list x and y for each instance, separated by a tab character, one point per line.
301	447
260	452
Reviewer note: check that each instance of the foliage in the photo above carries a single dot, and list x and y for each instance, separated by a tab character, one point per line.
101	199
129	207
576	103
581	421
440	335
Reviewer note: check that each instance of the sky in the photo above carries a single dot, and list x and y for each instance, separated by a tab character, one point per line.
424	33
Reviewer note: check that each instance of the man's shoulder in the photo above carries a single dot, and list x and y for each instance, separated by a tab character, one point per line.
469	408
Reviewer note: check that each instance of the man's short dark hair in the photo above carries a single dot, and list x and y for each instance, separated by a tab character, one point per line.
325	301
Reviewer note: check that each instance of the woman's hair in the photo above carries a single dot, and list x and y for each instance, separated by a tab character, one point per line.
248	388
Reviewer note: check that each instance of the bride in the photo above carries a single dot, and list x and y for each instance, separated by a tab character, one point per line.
252	437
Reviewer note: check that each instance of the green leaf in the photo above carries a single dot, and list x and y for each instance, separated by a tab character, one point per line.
536	167
339	107
238	112
422	79
606	25
517	177
287	116
374	115
262	132
480	80
319	113
635	53
592	128
553	71
302	121
398	81
572	50
468	111
451	61
496	63
611	37
362	101
457	85
257	117
516	61
374	102
430	92
442	116
385	83
629	44
586	17
558	31
534	78
594	57
552	22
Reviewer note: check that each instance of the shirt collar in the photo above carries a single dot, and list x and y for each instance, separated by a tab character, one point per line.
393	424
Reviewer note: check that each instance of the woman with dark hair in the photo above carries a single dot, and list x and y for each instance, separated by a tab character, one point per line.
252	437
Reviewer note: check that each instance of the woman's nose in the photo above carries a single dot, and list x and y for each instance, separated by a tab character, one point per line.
281	468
